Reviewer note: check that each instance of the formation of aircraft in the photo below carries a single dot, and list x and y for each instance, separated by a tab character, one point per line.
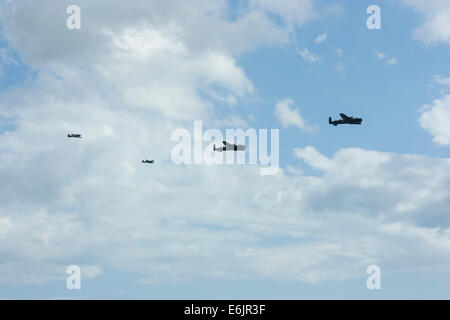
240	147
229	147
345	119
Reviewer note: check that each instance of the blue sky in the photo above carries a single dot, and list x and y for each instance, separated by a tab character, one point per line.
346	197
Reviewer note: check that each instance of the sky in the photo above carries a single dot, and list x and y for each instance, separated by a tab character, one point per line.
344	198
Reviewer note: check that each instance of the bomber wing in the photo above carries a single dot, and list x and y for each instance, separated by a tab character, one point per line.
228	145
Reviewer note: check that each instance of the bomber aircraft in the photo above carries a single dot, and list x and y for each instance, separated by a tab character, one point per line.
345	119
229	147
74	135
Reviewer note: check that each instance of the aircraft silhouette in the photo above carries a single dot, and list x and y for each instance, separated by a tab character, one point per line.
229	147
148	161
74	135
345	119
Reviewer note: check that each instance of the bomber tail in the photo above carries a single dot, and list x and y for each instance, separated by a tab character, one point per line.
329	120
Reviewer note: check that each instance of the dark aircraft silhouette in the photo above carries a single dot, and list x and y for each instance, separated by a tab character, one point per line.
148	161
230	147
74	135
345	119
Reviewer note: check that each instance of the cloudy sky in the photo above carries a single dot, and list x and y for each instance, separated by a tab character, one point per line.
345	197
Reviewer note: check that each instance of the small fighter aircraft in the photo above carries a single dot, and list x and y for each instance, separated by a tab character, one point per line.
74	135
345	119
229	147
148	161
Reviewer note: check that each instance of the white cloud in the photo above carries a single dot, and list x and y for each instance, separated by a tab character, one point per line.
363	172
293	12
125	81
291	117
392	61
308	56
200	26
386	58
320	38
152	221
381	55
435	119
435	22
294	171
231	121
444	81
313	158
